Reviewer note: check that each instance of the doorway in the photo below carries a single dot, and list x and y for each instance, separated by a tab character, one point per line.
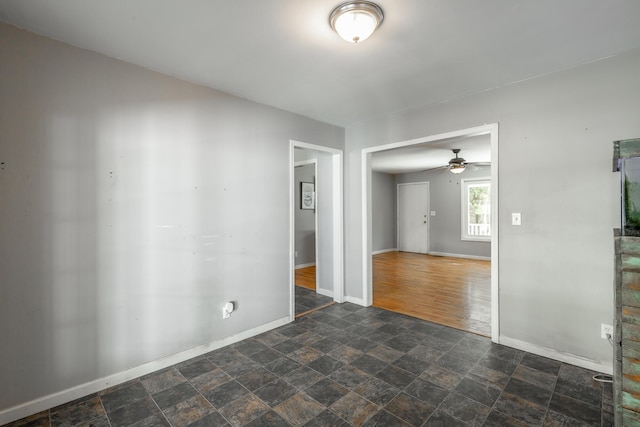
492	131
413	215
327	205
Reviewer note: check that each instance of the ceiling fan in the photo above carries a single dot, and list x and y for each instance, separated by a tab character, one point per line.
459	164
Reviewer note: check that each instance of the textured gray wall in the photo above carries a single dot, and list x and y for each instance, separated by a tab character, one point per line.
384	212
445	200
133	205
556	269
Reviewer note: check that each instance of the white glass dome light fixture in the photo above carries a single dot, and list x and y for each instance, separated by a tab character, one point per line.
457	169
355	21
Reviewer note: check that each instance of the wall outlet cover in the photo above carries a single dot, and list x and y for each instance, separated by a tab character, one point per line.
606	331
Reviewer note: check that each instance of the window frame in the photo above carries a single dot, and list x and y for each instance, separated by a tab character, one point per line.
464	191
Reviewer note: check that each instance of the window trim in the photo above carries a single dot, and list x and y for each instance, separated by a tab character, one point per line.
463	209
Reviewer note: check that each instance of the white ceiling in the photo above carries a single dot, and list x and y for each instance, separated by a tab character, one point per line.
284	54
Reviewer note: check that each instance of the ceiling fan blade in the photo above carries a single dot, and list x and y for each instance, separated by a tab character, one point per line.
475	166
440	168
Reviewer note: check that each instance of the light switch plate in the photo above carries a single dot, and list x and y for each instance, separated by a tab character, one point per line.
516	218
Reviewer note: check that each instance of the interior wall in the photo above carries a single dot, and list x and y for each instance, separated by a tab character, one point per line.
556	269
384	212
133	206
445	233
305	219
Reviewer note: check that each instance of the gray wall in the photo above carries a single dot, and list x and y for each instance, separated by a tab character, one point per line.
305	219
556	270
384	211
133	206
445	200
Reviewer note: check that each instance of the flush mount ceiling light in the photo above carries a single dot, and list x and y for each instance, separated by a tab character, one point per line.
355	21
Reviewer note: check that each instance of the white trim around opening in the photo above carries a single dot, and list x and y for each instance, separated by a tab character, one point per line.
337	221
489	129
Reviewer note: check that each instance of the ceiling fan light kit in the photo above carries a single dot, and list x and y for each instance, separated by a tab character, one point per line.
355	21
457	164
457	169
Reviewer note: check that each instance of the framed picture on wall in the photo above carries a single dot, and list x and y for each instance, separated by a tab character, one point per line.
307	195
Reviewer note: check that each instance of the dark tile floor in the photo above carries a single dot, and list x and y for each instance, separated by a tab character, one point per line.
346	365
307	300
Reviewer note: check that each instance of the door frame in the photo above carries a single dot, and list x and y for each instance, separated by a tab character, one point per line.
398	211
367	269
337	221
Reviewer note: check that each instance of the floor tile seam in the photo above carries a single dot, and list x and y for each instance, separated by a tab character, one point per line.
328	407
451	415
103	408
159	409
502	391
453	391
207	400
228	403
578	400
532	384
437	407
136	380
545	410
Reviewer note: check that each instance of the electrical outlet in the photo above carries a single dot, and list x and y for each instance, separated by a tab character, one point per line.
227	309
606	331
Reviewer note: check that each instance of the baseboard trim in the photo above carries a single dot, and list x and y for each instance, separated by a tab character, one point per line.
325	292
483	258
37	405
571	359
309	264
355	300
384	251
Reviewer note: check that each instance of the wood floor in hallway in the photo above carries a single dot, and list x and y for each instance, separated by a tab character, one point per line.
455	292
306	277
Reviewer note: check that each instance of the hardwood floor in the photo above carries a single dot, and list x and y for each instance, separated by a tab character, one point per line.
455	292
306	277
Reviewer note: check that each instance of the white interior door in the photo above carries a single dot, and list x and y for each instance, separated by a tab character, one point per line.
413	217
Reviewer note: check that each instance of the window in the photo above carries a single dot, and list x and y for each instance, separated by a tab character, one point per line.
476	209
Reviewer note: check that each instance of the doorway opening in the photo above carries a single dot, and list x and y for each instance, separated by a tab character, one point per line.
491	132
307	300
319	246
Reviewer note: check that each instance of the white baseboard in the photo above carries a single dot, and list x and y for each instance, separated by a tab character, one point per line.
383	251
354	300
64	396
483	258
571	359
309	264
325	292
